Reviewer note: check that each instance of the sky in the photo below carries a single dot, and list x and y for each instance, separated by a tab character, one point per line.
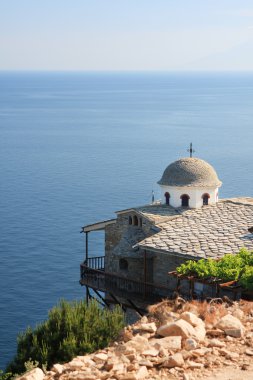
126	35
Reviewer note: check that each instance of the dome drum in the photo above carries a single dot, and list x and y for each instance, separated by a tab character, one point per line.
190	182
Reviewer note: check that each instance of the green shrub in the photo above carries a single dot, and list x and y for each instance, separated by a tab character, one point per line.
229	267
71	329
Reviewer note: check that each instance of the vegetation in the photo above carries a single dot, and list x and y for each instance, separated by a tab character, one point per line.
71	329
230	267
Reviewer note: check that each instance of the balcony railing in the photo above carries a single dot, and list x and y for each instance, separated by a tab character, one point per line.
94	276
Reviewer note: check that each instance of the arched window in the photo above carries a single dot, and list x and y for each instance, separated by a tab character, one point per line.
140	222
167	198
185	200
123	264
135	220
130	220
205	198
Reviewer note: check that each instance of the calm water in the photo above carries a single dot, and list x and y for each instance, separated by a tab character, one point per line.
76	147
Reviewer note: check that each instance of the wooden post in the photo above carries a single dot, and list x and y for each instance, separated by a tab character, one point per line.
86	247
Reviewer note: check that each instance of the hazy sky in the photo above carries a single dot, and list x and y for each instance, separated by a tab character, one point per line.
126	34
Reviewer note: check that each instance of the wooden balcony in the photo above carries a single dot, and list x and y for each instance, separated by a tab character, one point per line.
94	276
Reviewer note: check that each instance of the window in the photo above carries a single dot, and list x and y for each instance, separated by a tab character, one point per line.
167	198
130	220
205	198
123	264
185	200
135	220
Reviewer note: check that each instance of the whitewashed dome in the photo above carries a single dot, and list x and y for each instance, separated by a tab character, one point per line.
190	172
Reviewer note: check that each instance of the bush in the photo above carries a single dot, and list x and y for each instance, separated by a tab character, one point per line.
71	329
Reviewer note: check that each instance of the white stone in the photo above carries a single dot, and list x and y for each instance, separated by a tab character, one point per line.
151	352
100	357
142	373
199	332
34	374
58	368
178	328
191	318
228	322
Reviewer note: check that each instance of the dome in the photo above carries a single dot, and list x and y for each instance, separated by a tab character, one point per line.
190	171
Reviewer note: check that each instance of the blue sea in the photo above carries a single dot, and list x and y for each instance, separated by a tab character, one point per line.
75	147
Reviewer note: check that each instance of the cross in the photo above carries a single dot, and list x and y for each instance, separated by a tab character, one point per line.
191	150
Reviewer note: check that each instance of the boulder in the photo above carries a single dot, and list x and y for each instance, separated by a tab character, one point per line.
178	328
34	374
191	318
199	332
228	322
58	368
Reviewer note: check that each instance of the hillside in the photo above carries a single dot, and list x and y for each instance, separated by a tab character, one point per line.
177	340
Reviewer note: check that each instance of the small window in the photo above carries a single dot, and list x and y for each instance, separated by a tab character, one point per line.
205	198
185	200
140	222
135	220
167	198
130	220
123	264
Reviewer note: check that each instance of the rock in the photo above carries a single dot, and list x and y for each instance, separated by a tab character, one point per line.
76	363
34	374
192	364
151	352
216	343
100	358
142	373
178	328
139	343
199	332
191	318
201	351
249	352
58	368
215	332
235	333
238	313
228	322
175	360
167	343
148	327
190	344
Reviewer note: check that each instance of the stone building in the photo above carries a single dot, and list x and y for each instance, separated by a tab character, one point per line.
143	244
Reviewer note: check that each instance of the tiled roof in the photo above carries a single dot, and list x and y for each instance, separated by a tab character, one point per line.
210	231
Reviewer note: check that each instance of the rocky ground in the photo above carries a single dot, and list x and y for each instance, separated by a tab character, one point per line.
177	340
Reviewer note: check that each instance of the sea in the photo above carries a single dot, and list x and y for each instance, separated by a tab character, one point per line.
76	147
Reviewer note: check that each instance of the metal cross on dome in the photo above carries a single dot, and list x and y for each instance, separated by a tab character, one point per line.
191	150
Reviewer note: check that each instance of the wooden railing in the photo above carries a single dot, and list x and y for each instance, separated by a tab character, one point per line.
94	276
96	263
